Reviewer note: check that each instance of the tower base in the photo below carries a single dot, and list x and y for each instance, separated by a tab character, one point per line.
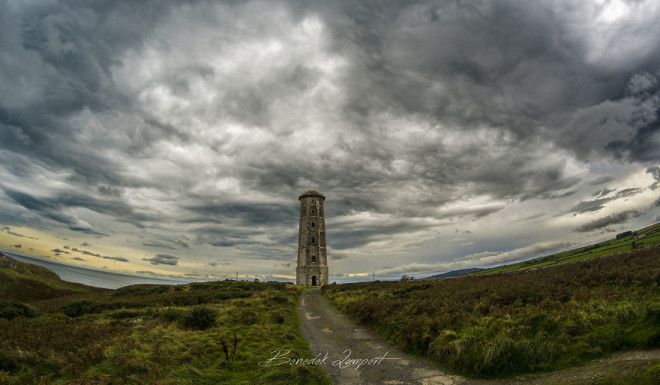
312	276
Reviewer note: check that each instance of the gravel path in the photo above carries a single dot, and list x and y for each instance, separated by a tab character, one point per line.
330	332
353	355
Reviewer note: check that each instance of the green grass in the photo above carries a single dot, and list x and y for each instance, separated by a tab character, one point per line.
148	334
520	322
648	374
648	236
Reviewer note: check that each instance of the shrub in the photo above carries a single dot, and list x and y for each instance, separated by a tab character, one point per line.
277	300
123	314
367	310
229	293
170	314
246	317
199	318
79	308
12	309
277	317
8	361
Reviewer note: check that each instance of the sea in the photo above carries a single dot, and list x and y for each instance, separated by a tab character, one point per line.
94	277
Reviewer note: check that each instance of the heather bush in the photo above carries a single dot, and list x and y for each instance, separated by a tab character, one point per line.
199	318
80	308
12	309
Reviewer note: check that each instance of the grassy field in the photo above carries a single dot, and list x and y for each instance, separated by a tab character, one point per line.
520	322
648	236
637	375
53	332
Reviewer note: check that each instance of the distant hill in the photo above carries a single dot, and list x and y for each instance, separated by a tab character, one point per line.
455	273
622	242
24	282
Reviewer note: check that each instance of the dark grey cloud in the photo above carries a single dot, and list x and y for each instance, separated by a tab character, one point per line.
48	210
557	195
597	204
361	233
160	245
163	259
601	180
590	205
252	242
8	230
603	192
227	242
169	243
655	172
109	190
336	256
470	212
97	255
246	213
531	217
58	208
611	219
628	192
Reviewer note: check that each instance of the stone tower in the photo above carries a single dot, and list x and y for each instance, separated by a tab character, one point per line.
312	259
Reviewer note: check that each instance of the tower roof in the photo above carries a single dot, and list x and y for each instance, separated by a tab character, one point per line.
311	193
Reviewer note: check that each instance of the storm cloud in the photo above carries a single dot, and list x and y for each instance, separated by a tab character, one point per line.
608	220
195	125
597	204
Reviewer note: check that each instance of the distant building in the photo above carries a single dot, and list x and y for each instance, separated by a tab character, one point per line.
312	266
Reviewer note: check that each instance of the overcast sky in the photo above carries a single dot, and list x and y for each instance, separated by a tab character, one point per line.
174	138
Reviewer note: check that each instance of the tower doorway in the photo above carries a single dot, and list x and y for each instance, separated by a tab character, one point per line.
313	280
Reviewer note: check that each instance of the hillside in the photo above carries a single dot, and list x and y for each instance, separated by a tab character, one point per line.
524	321
25	282
455	273
648	236
55	332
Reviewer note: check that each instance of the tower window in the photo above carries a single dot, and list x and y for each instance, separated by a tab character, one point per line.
312	224
314	258
313	241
